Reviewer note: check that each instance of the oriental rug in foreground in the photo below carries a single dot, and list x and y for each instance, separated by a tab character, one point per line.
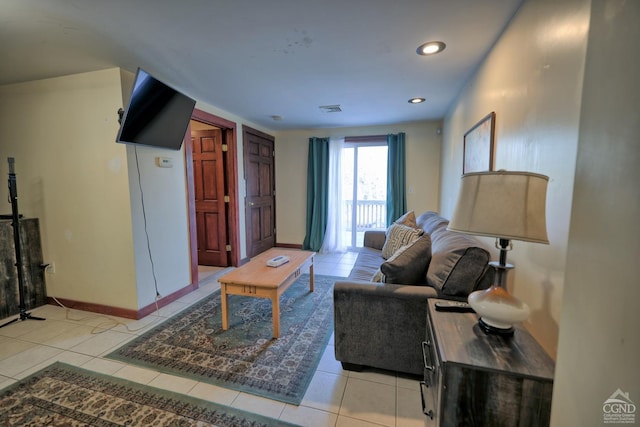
63	395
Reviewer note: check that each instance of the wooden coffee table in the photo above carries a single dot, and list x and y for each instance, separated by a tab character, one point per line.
256	279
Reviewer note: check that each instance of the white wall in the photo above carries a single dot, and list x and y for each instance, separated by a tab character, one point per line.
166	262
423	171
73	177
599	345
161	227
532	79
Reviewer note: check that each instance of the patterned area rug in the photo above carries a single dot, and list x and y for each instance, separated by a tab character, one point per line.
63	395
245	357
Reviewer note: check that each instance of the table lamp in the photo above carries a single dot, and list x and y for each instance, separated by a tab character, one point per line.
508	206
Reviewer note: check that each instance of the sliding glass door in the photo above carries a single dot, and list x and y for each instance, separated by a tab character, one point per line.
364	189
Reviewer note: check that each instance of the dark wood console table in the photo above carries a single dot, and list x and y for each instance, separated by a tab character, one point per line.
474	379
34	283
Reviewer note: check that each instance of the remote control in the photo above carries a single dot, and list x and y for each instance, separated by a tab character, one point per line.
278	261
457	306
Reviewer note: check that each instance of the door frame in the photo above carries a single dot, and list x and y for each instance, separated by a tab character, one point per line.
233	216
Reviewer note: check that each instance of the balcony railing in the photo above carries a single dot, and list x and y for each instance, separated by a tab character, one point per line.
368	214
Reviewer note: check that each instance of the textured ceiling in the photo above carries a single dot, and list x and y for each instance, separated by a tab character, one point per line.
257	59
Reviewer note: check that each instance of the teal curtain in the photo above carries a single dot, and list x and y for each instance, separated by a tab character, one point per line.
317	193
396	178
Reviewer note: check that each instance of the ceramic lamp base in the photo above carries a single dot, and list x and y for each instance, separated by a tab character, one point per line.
498	310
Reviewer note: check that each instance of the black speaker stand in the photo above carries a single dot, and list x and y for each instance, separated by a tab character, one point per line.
13	196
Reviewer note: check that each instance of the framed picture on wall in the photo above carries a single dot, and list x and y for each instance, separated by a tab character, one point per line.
478	145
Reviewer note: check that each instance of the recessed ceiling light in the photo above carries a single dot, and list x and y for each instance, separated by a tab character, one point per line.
430	48
416	100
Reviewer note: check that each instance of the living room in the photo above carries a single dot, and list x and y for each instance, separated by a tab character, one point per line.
555	103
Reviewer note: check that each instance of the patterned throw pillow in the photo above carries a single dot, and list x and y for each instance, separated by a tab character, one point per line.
399	235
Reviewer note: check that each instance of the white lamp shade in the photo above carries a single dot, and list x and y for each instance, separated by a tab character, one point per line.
502	204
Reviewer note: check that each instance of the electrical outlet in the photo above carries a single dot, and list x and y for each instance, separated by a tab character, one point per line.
51	268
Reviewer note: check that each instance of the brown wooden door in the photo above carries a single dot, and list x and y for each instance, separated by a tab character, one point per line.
209	186
259	166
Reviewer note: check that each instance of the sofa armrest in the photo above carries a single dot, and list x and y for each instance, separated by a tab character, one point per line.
381	325
374	239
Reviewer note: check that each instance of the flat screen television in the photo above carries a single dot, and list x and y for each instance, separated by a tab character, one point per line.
157	115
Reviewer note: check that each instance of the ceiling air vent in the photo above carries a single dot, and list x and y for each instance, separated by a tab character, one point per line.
330	108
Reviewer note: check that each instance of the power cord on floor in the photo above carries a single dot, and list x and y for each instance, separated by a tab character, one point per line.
99	328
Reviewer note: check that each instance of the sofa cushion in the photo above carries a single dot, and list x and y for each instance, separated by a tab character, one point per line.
408	219
366	265
374	239
399	235
408	266
431	221
457	264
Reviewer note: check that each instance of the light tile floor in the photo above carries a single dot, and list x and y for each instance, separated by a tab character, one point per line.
335	397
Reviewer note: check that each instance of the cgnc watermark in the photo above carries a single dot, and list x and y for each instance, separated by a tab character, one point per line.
619	409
